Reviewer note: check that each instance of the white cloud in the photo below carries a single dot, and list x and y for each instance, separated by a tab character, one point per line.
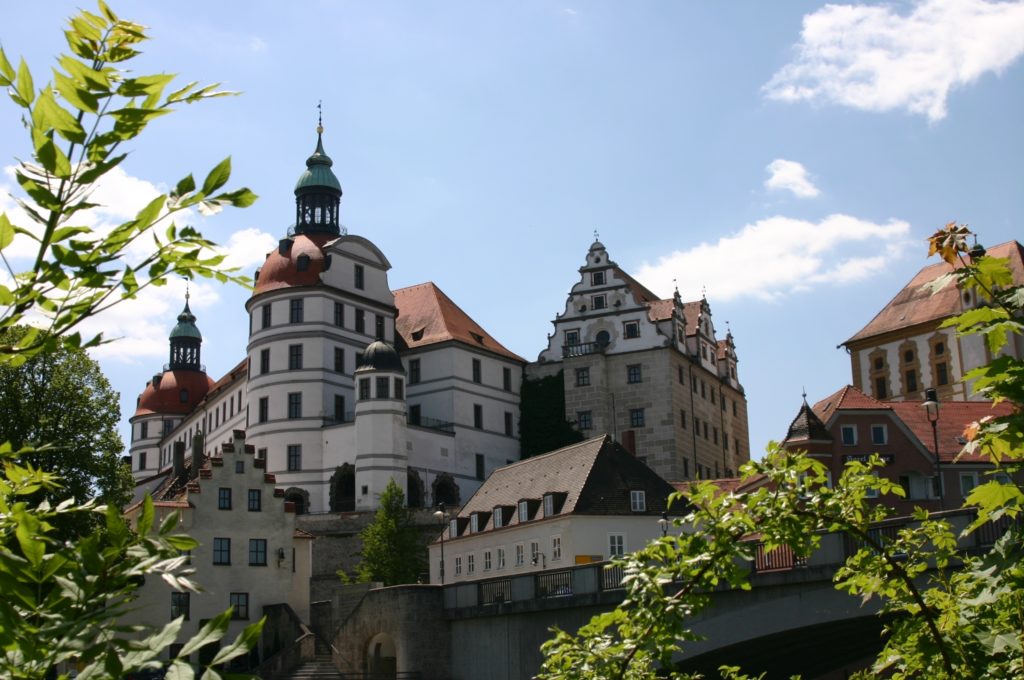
790	176
778	256
872	58
257	44
248	248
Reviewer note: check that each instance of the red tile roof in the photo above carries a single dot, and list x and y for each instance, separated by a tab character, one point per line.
163	395
915	305
847	398
281	270
427	316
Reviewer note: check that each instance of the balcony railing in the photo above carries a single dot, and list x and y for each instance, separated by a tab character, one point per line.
433	424
496	592
584	348
554	583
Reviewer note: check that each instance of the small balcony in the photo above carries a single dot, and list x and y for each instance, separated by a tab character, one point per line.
582	349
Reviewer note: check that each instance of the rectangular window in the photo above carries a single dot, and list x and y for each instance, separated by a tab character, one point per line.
968	480
498	518
487	560
634	373
223	498
734	407
142	459
506	379
264	361
383	387
294	357
911	381
501	558
524	511
339	360
584	420
265	312
549	505
364	388
879	434
534	552
848	435
360	277
714	431
638	501
264	409
414	414
725	441
598	302
295	311
703	390
616	545
295	404
479	466
942	373
339	408
339	315
360	321
294	457
478	416
222	551
556	548
520	555
399	389
470	563
597	278
180	605
508	423
458	565
144	430
477	377
474	523
378	328
240	605
636	417
257	552
682	418
255	500
582	377
453	527
881	389
414	371
572	338
631	329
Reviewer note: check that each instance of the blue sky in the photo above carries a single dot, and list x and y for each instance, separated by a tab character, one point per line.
789	158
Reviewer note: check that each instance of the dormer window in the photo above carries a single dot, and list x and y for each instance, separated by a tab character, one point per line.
474	523
638	501
498	517
597	279
549	505
302	263
599	302
524	511
453	527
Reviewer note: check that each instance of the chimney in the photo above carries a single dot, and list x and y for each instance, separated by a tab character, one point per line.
179	458
197	455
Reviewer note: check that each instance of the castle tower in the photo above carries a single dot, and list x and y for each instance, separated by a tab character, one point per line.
168	398
380	424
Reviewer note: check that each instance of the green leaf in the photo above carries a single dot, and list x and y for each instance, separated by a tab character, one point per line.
249	636
6	232
79	97
146	517
6	70
180	670
212	632
50	114
151	212
23	84
217	177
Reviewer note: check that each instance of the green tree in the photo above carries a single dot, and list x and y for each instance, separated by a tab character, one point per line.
542	423
62	396
949	615
62	598
392	551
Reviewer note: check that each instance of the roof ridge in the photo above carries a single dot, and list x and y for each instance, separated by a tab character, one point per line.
551	453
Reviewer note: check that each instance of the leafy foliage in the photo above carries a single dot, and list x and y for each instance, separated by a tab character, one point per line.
79	123
949	614
542	423
392	552
62	396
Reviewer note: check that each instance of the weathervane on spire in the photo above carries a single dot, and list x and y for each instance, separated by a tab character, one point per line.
186	290
596	238
320	117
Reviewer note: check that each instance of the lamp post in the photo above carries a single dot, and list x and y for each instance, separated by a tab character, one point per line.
442	515
931	407
664	523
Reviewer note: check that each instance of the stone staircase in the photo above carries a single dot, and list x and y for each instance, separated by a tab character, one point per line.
319	668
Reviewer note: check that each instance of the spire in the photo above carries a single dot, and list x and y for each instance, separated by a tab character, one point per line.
318	191
185	340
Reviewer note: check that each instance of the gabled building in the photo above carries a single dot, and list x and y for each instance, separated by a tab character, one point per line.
904	350
346	384
250	554
850	426
651	372
583	503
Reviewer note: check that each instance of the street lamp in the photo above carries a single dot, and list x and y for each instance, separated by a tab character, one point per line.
931	407
442	515
664	523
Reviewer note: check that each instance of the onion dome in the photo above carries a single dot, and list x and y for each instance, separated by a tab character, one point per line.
318	194
380	356
297	261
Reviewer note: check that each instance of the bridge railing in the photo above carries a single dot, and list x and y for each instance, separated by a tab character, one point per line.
554	583
611	577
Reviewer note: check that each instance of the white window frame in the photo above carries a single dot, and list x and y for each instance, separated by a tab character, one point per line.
974	482
638	500
524	511
474	523
884	429
498	516
470	563
626	325
572	337
616	545
500	555
594	276
843	429
534	551
604	301
458	565
487	560
520	554
453	527
556	548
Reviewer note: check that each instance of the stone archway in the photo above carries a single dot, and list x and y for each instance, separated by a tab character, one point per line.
381	661
300	497
445	490
414	489
343	489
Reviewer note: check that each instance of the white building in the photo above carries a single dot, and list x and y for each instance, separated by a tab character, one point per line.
583	503
436	406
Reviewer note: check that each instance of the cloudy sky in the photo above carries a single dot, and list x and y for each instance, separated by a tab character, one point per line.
788	158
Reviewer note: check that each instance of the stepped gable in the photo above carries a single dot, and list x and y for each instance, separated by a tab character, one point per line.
427	316
915	305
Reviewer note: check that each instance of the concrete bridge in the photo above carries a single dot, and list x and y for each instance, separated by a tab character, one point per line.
792	620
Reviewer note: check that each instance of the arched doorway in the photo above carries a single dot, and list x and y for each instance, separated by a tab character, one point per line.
445	490
380	656
414	490
343	489
299	497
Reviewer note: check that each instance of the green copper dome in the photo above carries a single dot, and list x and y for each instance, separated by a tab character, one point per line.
186	327
318	173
